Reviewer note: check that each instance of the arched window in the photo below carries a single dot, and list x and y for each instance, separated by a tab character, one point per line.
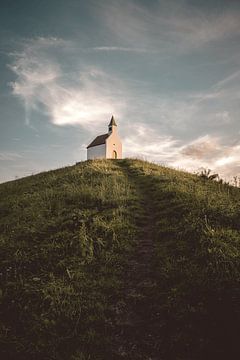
114	154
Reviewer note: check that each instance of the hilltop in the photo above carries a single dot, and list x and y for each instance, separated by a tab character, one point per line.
119	259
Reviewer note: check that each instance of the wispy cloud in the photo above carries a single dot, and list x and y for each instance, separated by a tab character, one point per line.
43	85
227	80
123	49
168	26
9	156
145	142
204	148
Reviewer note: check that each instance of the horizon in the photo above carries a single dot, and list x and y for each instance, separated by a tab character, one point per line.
167	70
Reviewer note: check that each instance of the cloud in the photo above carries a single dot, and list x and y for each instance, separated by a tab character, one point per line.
229	79
168	26
227	87
203	148
9	156
120	48
87	105
82	98
223	118
204	152
145	142
210	152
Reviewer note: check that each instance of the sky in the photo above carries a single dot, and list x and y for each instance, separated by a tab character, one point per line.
169	72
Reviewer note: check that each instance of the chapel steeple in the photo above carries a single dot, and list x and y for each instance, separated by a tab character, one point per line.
112	125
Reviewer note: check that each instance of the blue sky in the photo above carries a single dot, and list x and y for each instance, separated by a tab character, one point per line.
168	70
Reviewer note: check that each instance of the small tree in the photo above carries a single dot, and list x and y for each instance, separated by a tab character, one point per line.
206	174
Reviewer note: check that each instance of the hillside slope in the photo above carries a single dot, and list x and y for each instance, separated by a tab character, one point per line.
119	260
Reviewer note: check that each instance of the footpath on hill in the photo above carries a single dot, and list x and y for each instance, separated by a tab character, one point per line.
135	321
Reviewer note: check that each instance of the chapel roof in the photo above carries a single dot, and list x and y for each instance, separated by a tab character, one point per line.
99	140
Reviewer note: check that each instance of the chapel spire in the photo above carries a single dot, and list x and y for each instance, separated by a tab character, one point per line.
112	124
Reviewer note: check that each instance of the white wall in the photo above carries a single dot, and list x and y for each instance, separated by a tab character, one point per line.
96	152
113	143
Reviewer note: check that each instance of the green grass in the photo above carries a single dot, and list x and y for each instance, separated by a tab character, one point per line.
63	236
65	240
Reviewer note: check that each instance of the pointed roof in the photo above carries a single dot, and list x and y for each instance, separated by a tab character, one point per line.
112	122
99	140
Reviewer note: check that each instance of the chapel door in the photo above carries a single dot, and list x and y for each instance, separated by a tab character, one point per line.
114	154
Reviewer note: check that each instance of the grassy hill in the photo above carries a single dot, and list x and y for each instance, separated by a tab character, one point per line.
119	260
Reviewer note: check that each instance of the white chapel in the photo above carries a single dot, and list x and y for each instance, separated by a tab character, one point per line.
106	146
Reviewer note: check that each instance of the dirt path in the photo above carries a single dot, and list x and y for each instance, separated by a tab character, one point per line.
136	335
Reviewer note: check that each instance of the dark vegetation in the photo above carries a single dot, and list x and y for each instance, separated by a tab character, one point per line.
206	174
119	259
